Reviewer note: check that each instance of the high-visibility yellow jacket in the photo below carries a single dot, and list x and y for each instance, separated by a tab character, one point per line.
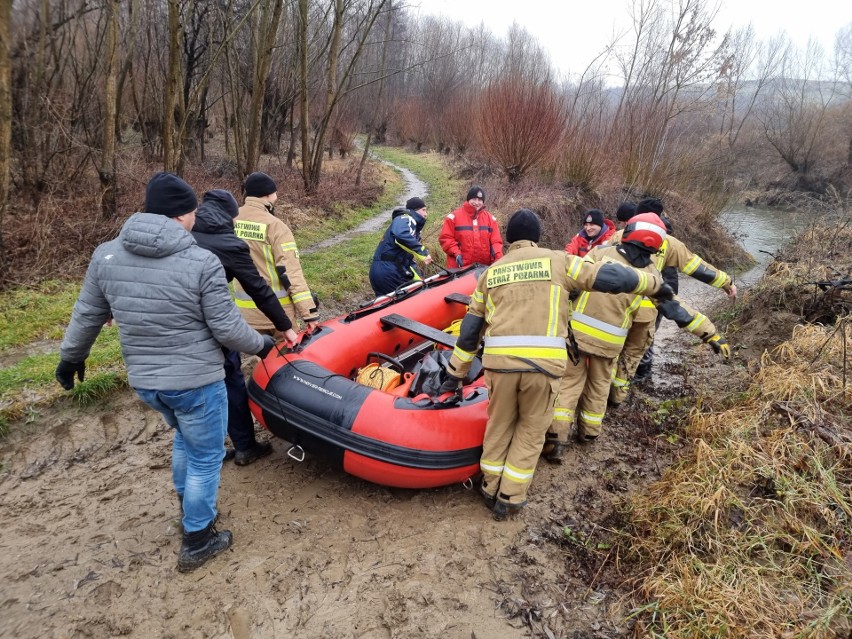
272	247
676	254
521	308
600	322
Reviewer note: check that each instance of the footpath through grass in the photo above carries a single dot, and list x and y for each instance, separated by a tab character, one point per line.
34	318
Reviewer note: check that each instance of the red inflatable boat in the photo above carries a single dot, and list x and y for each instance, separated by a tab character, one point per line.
309	395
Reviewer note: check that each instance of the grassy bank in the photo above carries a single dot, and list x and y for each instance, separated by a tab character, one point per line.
749	535
34	318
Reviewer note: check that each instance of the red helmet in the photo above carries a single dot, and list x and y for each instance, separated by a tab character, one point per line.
646	230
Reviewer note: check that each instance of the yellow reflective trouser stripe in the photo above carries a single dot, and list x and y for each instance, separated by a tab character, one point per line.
691	265
721	278
529	352
491	467
563	415
302	297
618	382
518	475
464	356
695	323
553	311
591	418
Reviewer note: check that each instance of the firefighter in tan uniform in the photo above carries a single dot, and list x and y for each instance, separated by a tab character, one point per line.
675	255
600	325
521	307
273	250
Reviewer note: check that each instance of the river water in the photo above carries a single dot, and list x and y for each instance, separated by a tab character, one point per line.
761	232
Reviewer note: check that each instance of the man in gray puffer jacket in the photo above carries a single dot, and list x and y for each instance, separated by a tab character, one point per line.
174	313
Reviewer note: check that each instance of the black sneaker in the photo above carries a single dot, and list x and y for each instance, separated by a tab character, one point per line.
202	545
251	455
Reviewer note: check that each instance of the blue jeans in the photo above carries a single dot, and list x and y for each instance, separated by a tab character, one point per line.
200	418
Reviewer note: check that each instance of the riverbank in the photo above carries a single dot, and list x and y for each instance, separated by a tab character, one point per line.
90	532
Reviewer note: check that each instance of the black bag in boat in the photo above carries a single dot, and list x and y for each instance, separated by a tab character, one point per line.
431	372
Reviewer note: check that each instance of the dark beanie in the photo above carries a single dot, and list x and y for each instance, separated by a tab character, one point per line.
625	211
259	184
166	194
224	199
594	216
475	191
415	204
523	225
650	205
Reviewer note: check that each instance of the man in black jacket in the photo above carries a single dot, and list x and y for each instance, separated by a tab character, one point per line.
214	231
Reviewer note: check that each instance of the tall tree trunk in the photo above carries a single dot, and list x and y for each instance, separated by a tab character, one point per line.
268	28
107	170
304	117
5	118
170	141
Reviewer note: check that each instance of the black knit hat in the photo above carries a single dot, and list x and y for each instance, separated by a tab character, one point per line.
594	216
415	204
259	185
625	211
225	200
650	205
166	194
475	191
523	225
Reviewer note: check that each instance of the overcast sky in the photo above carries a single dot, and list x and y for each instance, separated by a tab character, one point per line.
574	40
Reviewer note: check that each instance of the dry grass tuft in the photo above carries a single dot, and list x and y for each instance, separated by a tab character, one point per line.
752	535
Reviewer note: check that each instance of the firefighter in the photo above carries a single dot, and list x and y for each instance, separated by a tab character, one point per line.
521	307
470	234
600	325
673	256
273	250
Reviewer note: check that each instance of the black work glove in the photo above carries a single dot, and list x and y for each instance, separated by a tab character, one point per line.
65	373
268	345
719	345
665	294
459	260
450	385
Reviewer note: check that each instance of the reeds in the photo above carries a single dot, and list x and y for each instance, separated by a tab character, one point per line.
752	535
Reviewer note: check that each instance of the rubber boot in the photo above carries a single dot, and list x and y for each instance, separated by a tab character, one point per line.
199	546
556	452
251	455
503	510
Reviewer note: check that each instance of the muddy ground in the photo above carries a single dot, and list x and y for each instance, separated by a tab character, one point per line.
89	535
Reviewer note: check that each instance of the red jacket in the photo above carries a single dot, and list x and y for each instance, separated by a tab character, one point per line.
473	235
580	244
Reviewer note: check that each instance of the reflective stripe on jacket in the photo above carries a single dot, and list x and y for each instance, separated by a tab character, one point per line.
521	308
473	235
272	247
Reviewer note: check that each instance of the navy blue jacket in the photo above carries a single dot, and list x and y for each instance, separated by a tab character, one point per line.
394	263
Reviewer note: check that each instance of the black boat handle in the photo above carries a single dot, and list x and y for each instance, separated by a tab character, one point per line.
390	360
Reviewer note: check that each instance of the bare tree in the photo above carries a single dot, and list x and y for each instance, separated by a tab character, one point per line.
107	170
519	124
